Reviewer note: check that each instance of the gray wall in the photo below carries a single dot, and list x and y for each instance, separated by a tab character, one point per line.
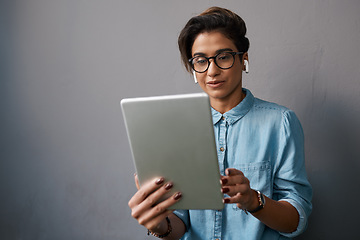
66	170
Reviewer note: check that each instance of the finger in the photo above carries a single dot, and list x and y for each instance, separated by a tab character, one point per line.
234	180
145	191
233	190
232	199
233	171
159	210
156	196
243	200
230	172
154	223
147	204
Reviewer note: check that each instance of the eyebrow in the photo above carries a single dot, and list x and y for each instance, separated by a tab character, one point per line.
217	52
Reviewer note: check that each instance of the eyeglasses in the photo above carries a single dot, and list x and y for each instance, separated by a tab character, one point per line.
223	60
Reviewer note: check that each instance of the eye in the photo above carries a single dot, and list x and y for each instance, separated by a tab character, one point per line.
200	61
224	56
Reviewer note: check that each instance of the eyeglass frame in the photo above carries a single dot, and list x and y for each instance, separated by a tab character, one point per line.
214	57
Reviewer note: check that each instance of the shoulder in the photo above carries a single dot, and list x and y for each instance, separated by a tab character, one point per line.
274	114
262	105
268	113
270	109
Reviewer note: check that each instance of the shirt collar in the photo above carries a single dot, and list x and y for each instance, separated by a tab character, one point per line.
237	112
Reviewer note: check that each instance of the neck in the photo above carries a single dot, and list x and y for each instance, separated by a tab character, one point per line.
225	105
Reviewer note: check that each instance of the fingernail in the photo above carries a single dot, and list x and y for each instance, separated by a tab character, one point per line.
168	186
225	190
228	172
226	200
159	181
224	181
177	196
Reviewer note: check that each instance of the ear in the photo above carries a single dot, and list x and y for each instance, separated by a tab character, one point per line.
245	56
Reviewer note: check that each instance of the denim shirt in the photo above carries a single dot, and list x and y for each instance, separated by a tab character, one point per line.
265	141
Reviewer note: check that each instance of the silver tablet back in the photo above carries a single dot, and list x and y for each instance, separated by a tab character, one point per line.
173	137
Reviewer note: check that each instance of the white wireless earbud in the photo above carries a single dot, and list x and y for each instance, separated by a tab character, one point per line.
195	79
246	62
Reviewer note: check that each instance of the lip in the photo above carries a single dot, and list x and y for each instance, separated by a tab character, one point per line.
215	84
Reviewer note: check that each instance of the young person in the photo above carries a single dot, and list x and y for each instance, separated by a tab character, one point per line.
260	148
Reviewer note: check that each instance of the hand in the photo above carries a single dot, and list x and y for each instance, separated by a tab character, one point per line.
237	186
144	206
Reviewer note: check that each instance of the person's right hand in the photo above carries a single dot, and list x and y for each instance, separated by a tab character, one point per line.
145	207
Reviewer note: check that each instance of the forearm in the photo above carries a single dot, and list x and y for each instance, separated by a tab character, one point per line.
178	228
279	215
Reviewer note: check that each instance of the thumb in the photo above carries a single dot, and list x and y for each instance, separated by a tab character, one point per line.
137	181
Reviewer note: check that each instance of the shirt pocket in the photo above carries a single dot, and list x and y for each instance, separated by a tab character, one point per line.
259	175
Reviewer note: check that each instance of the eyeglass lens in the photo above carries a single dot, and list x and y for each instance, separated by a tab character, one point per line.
223	60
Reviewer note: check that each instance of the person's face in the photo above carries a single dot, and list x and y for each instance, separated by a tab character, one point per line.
224	86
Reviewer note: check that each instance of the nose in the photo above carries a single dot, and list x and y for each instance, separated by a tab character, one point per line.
213	69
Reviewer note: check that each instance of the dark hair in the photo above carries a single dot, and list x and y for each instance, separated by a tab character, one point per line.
212	19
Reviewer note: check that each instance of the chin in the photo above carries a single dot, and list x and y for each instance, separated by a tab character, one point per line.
217	95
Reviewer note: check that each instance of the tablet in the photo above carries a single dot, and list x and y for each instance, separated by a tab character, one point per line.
173	137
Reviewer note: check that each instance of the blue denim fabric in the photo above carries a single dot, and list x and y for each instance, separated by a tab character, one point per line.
266	142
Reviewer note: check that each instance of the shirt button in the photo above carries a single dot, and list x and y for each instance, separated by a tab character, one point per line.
222	149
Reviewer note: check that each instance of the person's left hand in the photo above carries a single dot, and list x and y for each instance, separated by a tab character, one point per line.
237	186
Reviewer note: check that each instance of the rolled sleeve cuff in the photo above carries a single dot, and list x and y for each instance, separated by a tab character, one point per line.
184	216
302	219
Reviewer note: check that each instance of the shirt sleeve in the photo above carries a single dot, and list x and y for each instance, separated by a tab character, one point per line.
184	216
290	180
